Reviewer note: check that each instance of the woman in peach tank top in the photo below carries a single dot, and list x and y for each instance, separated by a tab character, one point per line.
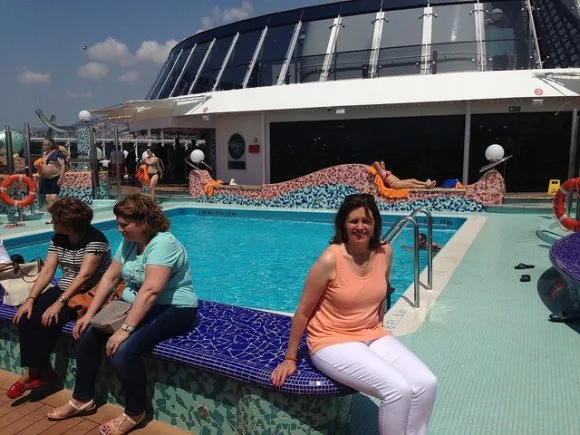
342	308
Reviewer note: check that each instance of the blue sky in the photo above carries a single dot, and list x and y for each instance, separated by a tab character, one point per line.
44	63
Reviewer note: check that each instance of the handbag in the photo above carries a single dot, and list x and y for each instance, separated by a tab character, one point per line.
18	280
111	316
80	302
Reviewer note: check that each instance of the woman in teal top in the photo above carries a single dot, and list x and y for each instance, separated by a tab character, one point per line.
155	268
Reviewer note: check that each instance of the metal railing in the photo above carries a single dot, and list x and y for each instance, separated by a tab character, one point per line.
391	235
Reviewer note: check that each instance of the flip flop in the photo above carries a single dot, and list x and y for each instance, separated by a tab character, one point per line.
524	266
525	278
116	424
85	409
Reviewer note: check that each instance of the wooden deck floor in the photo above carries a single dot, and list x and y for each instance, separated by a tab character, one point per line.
26	415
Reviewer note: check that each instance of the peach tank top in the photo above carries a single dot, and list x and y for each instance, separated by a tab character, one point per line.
348	309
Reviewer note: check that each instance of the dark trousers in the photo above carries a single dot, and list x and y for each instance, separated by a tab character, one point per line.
160	323
36	341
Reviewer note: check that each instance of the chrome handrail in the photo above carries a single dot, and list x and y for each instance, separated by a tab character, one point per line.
394	232
391	235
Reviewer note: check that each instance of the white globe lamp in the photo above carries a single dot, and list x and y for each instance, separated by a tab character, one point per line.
197	156
85	115
494	153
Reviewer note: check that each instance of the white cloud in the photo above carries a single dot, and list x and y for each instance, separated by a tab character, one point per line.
129	77
27	76
77	95
236	14
93	71
217	16
111	50
155	52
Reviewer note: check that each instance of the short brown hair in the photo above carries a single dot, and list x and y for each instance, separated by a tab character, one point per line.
71	212
142	208
350	203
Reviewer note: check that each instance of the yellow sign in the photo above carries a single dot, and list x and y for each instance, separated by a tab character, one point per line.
553	187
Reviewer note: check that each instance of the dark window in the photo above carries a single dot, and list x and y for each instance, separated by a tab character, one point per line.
272	56
353	47
310	51
539	143
207	77
410	147
162	75
175	74
235	72
453	40
400	51
191	69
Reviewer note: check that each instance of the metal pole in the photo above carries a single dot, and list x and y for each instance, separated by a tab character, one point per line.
573	144
466	143
27	157
119	154
94	162
417	291
9	156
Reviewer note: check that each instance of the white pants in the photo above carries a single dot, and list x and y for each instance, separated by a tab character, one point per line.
387	370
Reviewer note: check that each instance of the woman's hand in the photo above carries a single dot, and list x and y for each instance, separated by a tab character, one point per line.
81	326
24	310
285	369
51	314
115	341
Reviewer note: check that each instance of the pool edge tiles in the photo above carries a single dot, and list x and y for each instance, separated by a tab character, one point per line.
403	318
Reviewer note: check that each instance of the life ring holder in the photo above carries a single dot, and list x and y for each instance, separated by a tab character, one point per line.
560	205
16	178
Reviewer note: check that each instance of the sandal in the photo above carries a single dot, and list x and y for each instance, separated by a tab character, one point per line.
524	266
115	425
525	278
84	409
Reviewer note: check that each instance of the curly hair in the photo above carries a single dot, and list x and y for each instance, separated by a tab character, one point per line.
142	208
71	212
350	203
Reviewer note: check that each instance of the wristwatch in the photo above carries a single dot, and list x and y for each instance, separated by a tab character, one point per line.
127	328
62	300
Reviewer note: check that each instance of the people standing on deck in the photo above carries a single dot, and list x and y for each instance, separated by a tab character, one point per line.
395	182
117	164
154	169
131	163
84	254
342	308
53	170
155	268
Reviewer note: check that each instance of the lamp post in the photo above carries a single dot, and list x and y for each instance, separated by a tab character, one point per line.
85	116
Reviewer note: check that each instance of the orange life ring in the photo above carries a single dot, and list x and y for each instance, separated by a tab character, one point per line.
15	178
560	205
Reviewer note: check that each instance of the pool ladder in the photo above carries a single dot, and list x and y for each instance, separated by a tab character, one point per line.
392	234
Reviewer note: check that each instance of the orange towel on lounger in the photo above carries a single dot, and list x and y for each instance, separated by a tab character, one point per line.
387	192
209	186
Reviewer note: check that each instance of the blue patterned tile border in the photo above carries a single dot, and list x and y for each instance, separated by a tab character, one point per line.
240	344
330	196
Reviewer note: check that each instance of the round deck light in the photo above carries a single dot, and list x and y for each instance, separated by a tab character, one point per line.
494	153
197	156
85	115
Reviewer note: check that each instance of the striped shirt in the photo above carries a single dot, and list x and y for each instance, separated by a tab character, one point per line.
70	256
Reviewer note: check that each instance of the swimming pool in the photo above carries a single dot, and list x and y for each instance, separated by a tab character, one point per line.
256	258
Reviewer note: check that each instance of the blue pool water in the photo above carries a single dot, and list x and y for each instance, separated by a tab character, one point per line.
252	260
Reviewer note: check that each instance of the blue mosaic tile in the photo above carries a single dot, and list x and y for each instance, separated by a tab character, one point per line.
241	344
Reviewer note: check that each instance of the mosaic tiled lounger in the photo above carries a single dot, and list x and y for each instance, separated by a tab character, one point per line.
216	377
565	256
328	187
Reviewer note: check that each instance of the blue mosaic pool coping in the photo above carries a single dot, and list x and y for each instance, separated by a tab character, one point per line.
238	343
565	256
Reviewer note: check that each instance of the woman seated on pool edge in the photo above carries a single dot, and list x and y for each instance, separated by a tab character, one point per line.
155	268
342	309
395	182
84	254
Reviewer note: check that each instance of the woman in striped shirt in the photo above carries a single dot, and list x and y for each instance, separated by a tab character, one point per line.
84	254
